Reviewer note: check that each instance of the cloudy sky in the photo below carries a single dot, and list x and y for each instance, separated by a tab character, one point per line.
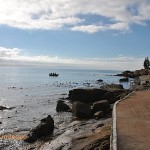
97	34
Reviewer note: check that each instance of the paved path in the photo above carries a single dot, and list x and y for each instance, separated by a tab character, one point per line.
133	122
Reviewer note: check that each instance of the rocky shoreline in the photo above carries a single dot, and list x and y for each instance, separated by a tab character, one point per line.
90	126
141	78
91	110
134	74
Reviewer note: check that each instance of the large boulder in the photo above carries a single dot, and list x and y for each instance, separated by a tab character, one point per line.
86	95
81	110
114	95
45	128
111	96
102	105
62	107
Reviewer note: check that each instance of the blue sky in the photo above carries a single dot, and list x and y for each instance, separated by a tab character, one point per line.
93	34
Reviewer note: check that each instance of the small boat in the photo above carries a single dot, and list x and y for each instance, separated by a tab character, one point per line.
99	80
53	74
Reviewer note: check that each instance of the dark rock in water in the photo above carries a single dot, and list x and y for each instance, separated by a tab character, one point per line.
124	80
5	108
81	110
86	95
127	73
121	74
62	107
45	128
102	105
99	115
0	122
113	87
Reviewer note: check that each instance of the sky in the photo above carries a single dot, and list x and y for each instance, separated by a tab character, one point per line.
86	34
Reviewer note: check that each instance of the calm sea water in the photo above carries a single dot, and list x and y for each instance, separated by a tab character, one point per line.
34	94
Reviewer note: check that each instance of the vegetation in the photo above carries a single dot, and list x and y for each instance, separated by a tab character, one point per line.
146	63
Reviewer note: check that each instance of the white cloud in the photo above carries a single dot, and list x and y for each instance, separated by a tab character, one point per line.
96	28
55	14
15	57
122	26
9	53
89	28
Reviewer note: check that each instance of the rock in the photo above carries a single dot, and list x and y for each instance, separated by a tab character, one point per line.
86	95
81	110
105	145
120	74
89	96
147	82
45	128
112	97
113	87
5	108
134	74
102	105
99	144
98	115
129	74
62	107
100	125
0	122
124	80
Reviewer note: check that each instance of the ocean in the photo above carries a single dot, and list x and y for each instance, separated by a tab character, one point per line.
34	94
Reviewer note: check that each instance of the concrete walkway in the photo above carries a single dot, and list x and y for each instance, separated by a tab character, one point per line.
133	122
